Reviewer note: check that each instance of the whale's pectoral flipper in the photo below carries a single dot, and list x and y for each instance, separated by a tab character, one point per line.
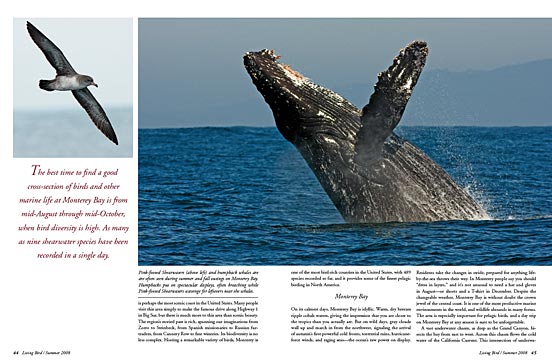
388	102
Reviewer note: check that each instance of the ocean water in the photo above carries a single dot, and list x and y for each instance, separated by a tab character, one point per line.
244	196
70	133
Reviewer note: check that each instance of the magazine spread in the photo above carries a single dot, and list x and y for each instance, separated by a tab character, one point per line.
178	186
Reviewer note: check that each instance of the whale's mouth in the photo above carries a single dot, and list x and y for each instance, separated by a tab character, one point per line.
277	82
301	108
266	71
282	89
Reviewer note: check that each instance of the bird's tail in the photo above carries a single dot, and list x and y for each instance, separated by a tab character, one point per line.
46	85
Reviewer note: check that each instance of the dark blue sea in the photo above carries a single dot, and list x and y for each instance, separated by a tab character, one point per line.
241	195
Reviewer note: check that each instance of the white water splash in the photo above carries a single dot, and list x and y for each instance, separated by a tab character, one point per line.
481	199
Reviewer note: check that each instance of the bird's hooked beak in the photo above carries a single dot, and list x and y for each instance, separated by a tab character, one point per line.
94	84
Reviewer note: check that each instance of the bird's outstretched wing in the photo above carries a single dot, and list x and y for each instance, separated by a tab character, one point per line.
96	113
51	51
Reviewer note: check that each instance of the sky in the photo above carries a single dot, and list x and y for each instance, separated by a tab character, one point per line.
191	71
101	48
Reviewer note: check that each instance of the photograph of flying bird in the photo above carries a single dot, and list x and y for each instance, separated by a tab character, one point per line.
67	79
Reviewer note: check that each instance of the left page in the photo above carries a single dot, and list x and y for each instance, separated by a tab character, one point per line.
69	186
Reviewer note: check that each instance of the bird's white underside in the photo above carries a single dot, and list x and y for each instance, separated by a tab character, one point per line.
67	83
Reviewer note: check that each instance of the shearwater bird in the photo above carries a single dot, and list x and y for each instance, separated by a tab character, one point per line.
67	79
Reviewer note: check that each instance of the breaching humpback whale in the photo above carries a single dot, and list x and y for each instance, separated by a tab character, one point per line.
67	79
370	174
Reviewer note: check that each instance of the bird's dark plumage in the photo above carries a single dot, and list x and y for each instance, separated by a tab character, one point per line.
96	113
51	51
